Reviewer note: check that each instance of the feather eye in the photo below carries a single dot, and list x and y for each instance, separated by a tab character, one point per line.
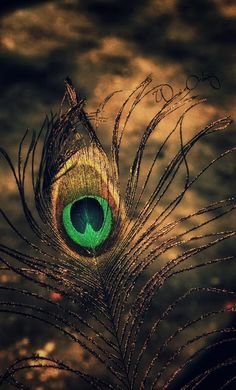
86	204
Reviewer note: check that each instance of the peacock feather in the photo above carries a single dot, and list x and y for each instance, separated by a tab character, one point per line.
111	253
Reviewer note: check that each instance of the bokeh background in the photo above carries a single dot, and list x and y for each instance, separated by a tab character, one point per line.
107	45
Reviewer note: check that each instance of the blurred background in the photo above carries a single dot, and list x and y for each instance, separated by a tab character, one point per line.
103	46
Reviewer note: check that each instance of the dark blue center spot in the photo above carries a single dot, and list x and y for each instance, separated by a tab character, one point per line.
87	210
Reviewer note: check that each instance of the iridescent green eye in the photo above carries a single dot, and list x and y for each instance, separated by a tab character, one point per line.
88	221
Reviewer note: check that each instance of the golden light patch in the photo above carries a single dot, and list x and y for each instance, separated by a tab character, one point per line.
30	31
